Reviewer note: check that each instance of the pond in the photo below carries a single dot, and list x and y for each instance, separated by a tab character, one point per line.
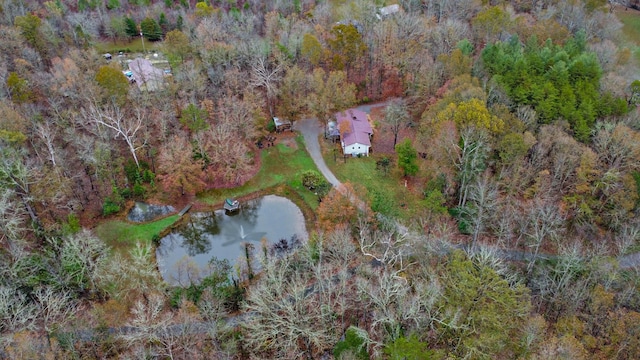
143	212
184	255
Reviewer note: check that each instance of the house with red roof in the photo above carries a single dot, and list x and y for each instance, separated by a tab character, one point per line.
356	133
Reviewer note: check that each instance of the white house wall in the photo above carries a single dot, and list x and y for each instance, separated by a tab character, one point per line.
355	149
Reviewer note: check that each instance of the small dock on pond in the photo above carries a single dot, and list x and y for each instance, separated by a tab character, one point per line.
184	211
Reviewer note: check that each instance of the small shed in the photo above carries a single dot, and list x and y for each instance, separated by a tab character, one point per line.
332	131
282	125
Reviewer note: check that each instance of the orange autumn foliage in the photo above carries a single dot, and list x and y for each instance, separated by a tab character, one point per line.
337	209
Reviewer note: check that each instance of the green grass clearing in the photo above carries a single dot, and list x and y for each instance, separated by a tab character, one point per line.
383	191
121	235
631	29
133	46
631	25
281	164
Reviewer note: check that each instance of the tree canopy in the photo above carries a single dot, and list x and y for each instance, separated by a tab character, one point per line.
113	82
559	82
495	218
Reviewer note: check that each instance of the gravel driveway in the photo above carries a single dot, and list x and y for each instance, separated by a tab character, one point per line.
311	130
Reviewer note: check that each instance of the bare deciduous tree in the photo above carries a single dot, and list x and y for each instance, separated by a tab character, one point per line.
46	131
148	318
298	302
177	169
82	257
182	340
266	76
617	146
390	247
12	220
342	248
560	154
565	286
130	276
396	117
484	198
470	162
627	237
449	9
54	307
192	82
393	304
18	175
124	126
16	311
286	318
545	222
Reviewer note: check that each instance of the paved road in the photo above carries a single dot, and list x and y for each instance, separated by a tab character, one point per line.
311	129
367	107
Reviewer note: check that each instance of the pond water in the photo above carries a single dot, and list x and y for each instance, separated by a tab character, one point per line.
142	212
184	255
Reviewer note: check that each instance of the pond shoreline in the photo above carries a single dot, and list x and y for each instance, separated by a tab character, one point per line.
212	232
282	190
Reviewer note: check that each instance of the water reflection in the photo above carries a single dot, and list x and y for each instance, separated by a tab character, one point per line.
194	239
142	212
240	237
224	236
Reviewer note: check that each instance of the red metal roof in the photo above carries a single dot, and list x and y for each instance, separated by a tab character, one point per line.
360	129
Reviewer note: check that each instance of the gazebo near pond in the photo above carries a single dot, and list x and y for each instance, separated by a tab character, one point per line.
231	205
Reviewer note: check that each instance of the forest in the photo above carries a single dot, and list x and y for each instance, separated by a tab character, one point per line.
496	218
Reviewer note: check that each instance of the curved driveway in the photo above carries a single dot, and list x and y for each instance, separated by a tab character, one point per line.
311	129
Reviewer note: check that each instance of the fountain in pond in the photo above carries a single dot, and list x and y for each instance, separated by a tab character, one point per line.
216	235
254	236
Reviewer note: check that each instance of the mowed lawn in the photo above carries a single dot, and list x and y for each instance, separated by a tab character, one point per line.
122	235
133	46
281	164
384	191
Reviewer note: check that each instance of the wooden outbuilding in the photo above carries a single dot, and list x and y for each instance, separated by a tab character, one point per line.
282	125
